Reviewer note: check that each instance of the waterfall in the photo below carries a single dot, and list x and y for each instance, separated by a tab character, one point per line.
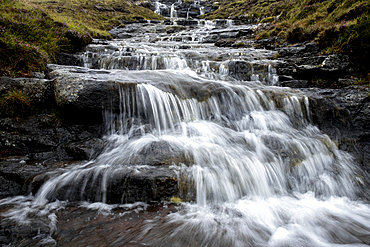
202	12
173	11
209	126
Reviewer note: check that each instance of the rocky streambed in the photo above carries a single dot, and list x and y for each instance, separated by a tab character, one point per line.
195	112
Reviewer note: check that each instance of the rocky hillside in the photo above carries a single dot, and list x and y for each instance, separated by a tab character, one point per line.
338	26
32	33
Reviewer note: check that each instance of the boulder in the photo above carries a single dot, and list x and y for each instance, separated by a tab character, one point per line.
82	93
85	150
69	59
40	91
303	62
40	136
121	185
15	174
240	69
344	114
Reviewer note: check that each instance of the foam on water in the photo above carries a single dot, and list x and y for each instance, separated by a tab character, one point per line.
295	220
257	172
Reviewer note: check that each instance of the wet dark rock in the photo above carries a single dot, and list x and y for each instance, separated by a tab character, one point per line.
153	185
124	36
155	21
300	50
82	93
224	42
221	23
270	44
295	83
124	186
32	134
344	114
8	187
69	59
132	28
174	29
34	234
167	22
240	70
76	225
187	22
16	172
212	38
184	47
303	62
40	137
85	150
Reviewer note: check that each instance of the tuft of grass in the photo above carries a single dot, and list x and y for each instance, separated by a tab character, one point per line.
15	103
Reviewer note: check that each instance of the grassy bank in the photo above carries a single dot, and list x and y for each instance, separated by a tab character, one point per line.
33	32
338	26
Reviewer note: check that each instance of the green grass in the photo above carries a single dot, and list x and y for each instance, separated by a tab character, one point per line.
96	15
33	32
15	103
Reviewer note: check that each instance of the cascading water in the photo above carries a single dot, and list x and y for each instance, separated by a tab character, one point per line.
173	11
253	169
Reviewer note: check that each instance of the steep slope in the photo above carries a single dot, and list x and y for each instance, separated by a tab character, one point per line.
33	32
338	26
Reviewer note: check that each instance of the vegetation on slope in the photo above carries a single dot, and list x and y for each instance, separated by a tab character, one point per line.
33	32
338	26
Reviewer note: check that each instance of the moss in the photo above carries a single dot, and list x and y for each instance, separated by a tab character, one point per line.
175	200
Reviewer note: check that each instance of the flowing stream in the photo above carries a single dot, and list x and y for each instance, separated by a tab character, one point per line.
251	168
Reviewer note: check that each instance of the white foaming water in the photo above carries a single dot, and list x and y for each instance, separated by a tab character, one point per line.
256	172
173	11
207	60
202	12
249	148
299	220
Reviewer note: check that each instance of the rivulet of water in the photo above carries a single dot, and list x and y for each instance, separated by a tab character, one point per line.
253	169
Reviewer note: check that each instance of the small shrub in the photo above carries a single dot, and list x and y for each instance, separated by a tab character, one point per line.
15	103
